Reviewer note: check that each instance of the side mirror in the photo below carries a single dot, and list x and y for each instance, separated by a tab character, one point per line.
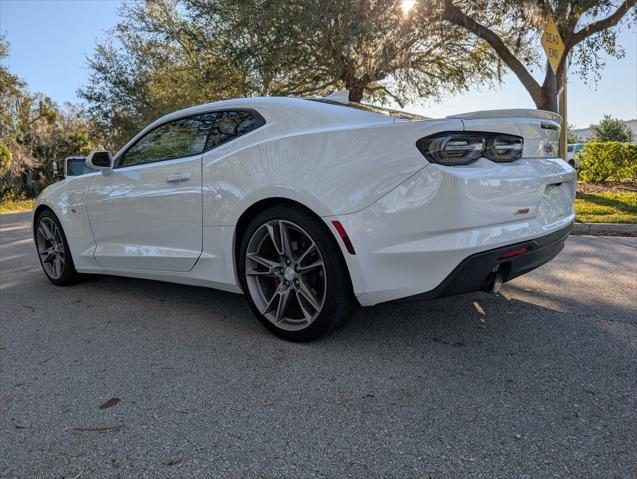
101	160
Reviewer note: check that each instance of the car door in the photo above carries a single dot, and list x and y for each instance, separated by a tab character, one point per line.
147	214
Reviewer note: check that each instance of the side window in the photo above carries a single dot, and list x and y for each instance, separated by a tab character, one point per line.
177	139
232	124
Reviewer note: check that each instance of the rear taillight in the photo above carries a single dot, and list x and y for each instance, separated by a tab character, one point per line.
505	148
462	148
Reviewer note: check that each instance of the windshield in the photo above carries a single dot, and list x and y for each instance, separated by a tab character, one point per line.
402	115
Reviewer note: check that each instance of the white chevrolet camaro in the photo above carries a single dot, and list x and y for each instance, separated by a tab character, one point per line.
311	207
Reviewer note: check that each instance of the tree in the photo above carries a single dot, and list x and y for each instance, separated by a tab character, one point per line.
177	53
612	129
586	27
571	137
34	130
161	65
23	116
370	47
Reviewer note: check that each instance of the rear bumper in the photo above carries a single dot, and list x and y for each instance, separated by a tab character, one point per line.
412	240
478	271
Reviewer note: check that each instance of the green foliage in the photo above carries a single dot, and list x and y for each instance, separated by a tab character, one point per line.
34	131
164	62
5	159
177	53
612	129
572	137
610	161
589	29
13	198
369	47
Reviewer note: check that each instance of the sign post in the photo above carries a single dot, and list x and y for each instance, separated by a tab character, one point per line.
563	111
554	48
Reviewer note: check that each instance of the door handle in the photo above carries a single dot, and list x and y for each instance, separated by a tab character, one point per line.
179	178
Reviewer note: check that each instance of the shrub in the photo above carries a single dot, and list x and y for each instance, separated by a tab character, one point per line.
612	129
10	192
610	161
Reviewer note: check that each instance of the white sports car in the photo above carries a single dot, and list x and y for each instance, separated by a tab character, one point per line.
313	206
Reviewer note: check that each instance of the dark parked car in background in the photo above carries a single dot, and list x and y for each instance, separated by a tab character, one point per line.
71	166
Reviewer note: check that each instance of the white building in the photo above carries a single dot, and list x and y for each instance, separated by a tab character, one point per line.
587	134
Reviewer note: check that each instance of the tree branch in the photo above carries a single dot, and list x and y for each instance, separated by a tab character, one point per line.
600	25
454	15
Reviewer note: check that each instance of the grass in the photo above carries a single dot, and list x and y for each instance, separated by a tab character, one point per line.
606	207
15	205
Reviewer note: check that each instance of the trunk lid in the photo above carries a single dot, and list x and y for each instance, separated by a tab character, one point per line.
540	129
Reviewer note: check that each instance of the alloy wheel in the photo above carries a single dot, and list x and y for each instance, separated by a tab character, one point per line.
285	274
51	248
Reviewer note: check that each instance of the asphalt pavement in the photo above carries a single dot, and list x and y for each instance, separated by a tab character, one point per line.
538	382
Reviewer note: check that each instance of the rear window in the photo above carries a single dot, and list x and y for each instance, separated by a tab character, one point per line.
401	115
229	125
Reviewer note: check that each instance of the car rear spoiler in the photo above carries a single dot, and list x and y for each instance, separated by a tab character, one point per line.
513	113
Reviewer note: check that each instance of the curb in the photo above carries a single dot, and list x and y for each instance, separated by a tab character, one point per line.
597	228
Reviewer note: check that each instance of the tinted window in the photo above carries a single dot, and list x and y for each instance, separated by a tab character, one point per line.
231	124
177	139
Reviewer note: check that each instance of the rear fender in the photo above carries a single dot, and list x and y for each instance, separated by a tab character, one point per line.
337	171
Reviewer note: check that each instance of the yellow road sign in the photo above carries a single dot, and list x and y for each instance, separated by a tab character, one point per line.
553	44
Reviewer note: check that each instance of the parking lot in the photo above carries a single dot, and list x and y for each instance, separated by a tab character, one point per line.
538	382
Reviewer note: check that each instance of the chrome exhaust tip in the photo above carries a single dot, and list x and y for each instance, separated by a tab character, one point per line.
495	282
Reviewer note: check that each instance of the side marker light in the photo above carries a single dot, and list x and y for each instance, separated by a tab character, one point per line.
343	234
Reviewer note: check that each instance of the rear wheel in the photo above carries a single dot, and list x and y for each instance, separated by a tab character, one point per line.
53	250
295	278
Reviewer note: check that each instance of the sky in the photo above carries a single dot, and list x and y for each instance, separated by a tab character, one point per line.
51	39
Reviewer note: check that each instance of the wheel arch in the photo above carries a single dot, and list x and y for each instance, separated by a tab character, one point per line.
249	213
41	208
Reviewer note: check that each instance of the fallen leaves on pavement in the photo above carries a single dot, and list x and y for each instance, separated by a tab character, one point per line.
110	403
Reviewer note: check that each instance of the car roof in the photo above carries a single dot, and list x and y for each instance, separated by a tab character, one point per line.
282	108
290	114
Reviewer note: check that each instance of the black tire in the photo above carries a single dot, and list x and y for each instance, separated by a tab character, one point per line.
339	303
69	274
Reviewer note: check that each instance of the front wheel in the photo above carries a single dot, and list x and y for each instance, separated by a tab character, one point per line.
296	280
53	250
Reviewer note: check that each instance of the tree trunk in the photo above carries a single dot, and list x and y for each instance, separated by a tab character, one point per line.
356	94
548	93
545	96
547	100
